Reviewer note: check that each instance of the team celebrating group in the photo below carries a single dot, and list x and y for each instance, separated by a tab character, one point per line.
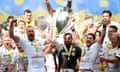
60	43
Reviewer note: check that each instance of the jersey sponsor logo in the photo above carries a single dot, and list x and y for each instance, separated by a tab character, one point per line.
5	55
84	61
64	53
73	49
73	54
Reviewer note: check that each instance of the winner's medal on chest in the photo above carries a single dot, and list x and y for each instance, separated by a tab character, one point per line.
37	60
68	52
36	45
8	52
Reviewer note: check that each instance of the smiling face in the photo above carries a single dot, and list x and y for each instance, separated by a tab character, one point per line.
111	31
115	39
68	39
106	17
90	39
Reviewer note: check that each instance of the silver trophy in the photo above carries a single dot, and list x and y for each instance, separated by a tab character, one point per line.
63	20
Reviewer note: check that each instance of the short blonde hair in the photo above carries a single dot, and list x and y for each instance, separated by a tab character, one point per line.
5	35
21	21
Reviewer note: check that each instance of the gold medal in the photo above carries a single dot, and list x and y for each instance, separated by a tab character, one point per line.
68	51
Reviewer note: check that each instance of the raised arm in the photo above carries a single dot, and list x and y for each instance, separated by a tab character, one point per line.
75	36
103	33
11	32
69	3
50	9
50	34
49	48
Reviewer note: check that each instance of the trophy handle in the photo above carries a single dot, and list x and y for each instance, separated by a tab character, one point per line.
67	26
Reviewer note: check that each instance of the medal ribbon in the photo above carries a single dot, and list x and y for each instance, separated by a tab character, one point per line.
21	55
9	53
84	50
111	52
68	51
35	44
